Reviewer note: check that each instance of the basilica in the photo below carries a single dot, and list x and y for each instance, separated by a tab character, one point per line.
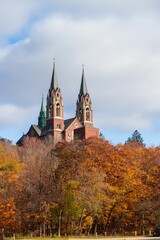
51	122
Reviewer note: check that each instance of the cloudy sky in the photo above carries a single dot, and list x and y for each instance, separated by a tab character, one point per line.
118	41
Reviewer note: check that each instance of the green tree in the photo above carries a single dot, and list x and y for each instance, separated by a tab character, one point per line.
135	138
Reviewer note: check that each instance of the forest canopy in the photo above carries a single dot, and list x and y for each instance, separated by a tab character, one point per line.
82	187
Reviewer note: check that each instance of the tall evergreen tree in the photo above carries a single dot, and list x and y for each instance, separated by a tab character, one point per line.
136	137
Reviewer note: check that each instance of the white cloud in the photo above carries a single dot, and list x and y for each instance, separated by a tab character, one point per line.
119	48
17	16
14	15
120	65
13	116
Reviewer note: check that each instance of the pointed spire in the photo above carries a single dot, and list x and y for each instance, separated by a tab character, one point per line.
83	87
42	105
54	81
42	116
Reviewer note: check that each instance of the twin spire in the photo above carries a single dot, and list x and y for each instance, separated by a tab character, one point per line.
54	82
54	85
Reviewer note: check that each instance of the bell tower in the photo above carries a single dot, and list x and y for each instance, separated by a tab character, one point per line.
54	110
84	104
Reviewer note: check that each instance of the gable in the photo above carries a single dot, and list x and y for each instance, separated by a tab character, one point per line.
34	131
70	126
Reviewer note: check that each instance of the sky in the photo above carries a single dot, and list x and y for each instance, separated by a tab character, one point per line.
117	41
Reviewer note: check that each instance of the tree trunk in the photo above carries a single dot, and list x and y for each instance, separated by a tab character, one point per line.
50	230
59	223
80	223
44	229
40	231
95	227
108	220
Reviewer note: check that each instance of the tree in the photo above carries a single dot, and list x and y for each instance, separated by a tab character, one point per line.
136	138
101	135
78	184
35	184
9	168
81	187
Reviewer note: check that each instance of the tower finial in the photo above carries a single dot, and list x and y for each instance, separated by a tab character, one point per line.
83	68
42	104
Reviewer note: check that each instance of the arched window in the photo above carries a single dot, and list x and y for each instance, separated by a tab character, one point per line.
59	138
58	110
80	114
87	114
50	110
58	126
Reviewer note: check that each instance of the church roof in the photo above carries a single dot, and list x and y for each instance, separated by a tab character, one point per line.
68	122
83	88
37	132
20	141
54	81
37	129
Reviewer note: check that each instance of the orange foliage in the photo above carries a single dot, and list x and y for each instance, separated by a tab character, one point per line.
80	187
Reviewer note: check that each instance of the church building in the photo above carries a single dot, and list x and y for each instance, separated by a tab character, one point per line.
51	123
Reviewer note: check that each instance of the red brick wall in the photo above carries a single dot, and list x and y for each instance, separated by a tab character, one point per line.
86	132
91	132
69	133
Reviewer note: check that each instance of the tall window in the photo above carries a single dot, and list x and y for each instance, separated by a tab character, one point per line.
80	114
58	110
50	110
87	114
59	126
59	138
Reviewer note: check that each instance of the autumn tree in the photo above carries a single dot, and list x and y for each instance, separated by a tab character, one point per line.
112	185
77	174
124	187
9	168
35	184
150	208
81	187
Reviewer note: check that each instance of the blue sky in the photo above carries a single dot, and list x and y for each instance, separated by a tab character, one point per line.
116	40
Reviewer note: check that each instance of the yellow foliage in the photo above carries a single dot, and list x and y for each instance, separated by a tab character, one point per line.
88	222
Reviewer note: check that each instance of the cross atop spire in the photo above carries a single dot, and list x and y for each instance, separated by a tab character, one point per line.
83	88
54	81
